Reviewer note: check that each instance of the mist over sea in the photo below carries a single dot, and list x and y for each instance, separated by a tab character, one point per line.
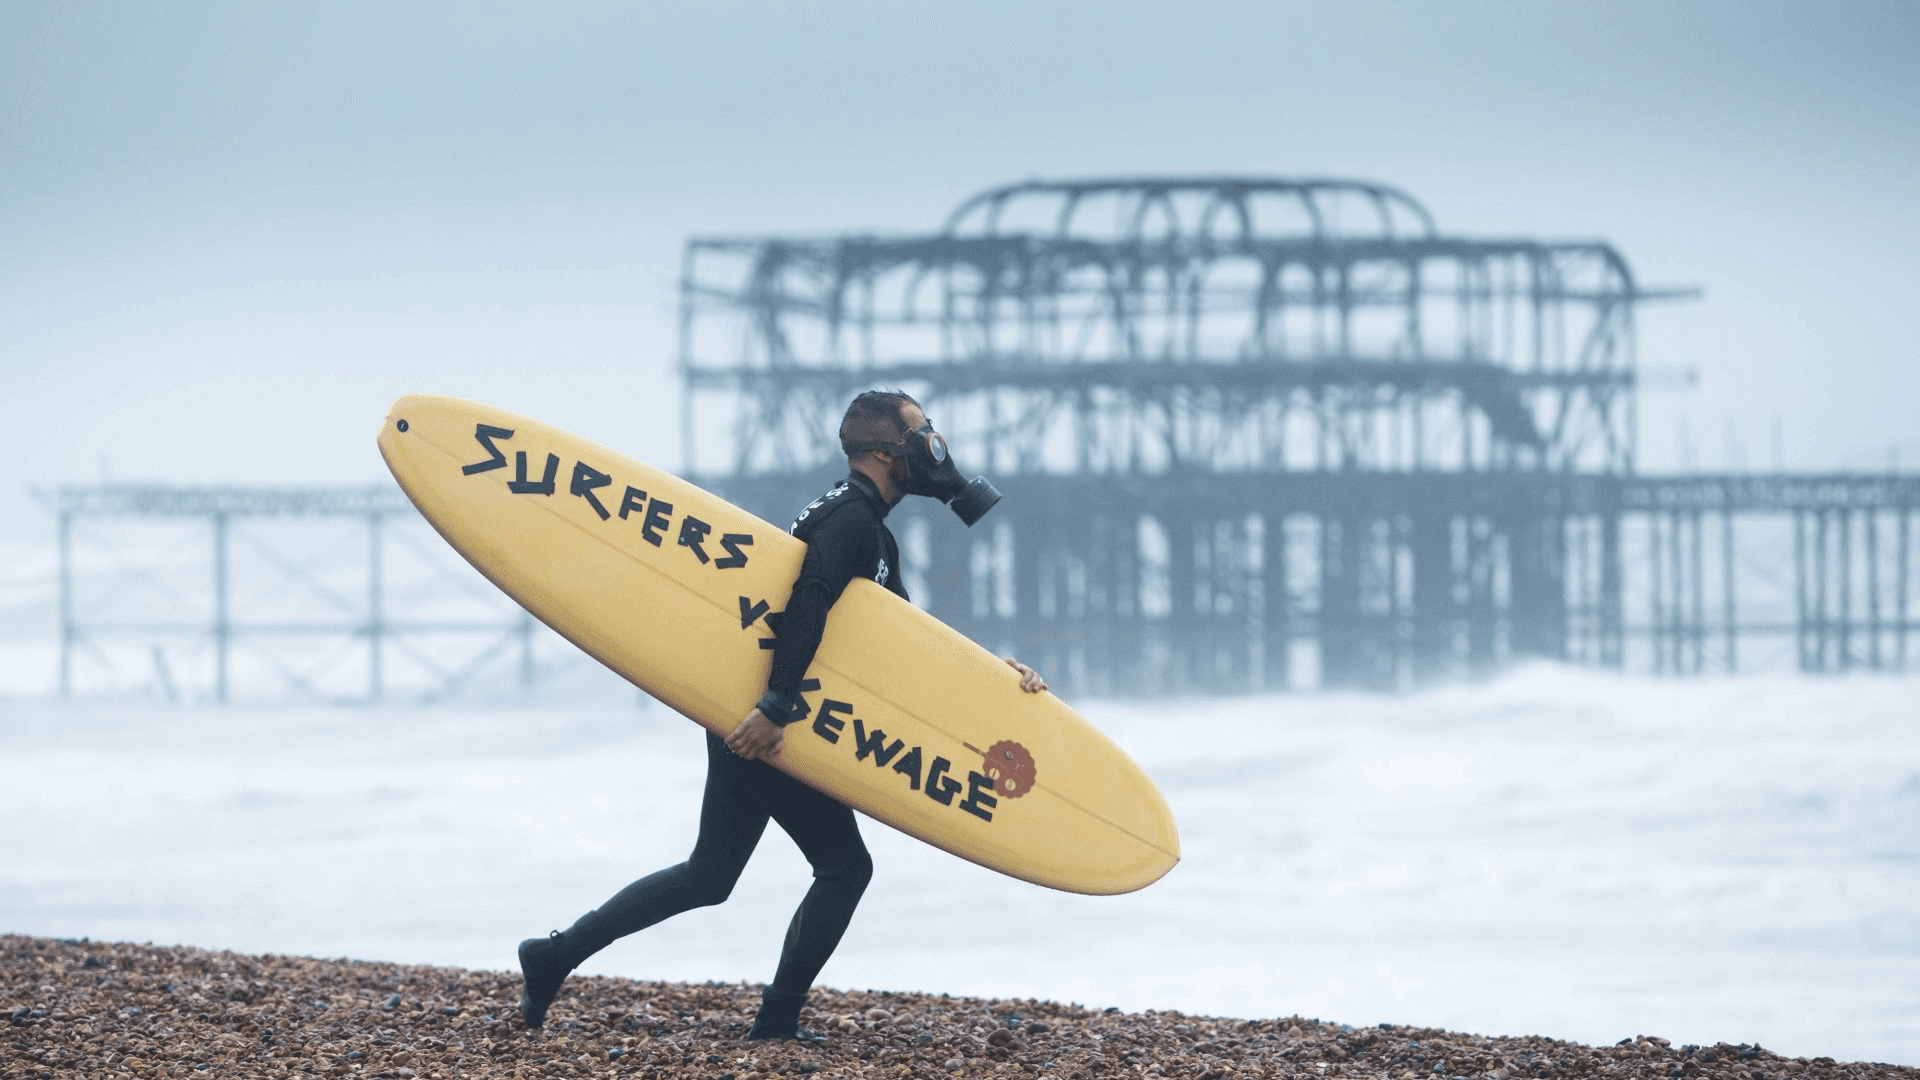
1558	852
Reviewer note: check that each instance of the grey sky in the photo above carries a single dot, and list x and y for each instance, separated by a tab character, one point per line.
231	233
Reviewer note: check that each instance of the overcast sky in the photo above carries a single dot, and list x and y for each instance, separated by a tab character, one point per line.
230	234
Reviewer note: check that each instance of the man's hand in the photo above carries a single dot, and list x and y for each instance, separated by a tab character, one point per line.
1030	680
757	738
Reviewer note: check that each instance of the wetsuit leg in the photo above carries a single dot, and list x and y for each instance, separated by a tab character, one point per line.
733	814
828	835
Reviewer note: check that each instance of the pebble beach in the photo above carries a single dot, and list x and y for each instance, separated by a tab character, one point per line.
99	1009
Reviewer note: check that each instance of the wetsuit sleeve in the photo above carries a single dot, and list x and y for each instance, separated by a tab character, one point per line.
840	548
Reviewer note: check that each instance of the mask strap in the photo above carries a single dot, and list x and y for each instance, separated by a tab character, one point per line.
906	436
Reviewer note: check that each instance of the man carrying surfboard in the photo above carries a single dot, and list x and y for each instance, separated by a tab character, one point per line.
892	451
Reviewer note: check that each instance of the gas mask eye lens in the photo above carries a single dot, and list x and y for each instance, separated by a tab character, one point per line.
936	446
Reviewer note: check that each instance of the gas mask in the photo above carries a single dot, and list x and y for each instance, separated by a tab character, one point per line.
931	472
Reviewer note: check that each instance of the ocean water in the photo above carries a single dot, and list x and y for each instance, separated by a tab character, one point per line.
1558	852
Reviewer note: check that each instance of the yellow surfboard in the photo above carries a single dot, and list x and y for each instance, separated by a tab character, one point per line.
671	586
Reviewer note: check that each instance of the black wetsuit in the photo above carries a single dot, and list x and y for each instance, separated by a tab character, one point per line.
846	537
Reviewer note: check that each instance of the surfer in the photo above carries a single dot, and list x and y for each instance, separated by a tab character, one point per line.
892	451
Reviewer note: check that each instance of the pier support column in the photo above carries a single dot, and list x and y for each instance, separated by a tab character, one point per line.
1612	594
1277	601
222	626
1433	604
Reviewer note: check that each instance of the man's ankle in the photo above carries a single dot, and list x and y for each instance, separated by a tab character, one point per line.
779	1016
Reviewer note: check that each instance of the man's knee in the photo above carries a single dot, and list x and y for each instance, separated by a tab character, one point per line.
710	885
852	870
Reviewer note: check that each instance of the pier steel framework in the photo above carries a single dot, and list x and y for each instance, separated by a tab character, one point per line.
1260	433
1253	434
333	594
